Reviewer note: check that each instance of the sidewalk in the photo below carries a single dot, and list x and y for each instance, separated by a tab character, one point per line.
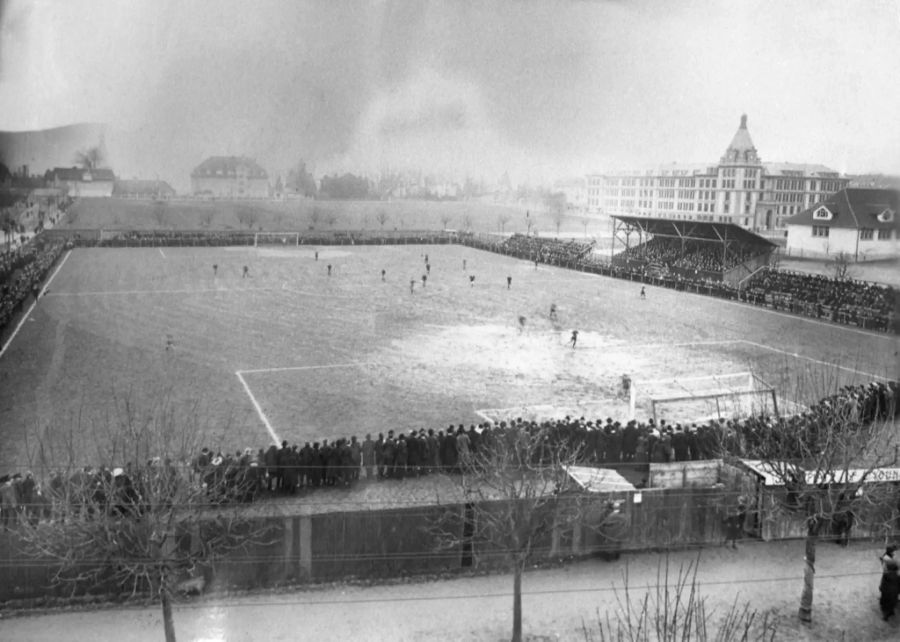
555	601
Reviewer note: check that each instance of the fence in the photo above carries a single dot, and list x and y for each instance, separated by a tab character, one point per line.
397	542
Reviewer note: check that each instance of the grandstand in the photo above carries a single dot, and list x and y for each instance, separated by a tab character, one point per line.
693	249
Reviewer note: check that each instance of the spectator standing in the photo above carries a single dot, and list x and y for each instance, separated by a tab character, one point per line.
368	456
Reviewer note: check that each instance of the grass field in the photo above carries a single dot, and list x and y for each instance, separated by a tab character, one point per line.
295	354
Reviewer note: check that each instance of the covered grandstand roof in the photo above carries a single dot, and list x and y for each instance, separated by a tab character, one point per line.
694	230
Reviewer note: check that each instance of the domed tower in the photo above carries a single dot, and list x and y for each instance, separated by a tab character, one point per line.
741	150
739	178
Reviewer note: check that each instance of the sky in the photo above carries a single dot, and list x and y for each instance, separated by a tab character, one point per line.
538	89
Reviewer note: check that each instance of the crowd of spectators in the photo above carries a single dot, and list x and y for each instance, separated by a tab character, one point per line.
21	272
545	250
246	475
692	255
817	295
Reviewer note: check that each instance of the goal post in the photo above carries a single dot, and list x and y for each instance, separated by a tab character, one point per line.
700	398
276	239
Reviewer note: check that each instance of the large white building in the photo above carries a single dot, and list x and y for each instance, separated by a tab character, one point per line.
739	189
230	177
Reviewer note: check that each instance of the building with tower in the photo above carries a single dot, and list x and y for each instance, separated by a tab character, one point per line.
739	189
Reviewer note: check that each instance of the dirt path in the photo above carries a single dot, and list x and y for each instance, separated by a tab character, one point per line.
555	601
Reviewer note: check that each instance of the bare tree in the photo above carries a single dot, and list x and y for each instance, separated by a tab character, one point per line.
331	219
840	265
315	217
675	610
8	225
89	158
445	219
246	215
382	218
585	221
502	220
467	222
556	206
160	213
154	509
823	460
510	485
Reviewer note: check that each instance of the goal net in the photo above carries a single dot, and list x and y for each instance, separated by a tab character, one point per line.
278	239
694	399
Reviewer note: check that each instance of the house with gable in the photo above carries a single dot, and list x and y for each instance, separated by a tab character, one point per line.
860	223
81	182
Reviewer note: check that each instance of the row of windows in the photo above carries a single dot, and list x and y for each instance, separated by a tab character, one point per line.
796	197
811	185
865	233
750	176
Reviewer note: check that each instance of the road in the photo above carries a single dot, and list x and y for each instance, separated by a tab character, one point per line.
556	602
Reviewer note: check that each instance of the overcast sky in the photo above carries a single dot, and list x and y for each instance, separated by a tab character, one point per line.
539	88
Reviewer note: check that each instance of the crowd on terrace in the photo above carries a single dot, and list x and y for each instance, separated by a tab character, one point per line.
248	475
544	250
22	271
821	296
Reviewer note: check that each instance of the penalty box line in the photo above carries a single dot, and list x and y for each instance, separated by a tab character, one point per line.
761	346
256	405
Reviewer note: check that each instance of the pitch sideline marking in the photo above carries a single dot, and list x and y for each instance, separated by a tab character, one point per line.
797	355
327	365
129	292
34	303
259	410
484	416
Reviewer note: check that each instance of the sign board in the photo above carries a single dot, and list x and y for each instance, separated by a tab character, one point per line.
771	477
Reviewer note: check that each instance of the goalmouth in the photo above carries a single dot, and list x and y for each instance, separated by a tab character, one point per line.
694	399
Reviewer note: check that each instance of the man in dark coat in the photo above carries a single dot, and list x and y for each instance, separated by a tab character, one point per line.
680	444
388	453
368	456
890	589
280	463
271	459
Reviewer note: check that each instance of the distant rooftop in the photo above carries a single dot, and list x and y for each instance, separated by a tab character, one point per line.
227	167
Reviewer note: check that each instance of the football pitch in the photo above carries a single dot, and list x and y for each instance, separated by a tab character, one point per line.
292	353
